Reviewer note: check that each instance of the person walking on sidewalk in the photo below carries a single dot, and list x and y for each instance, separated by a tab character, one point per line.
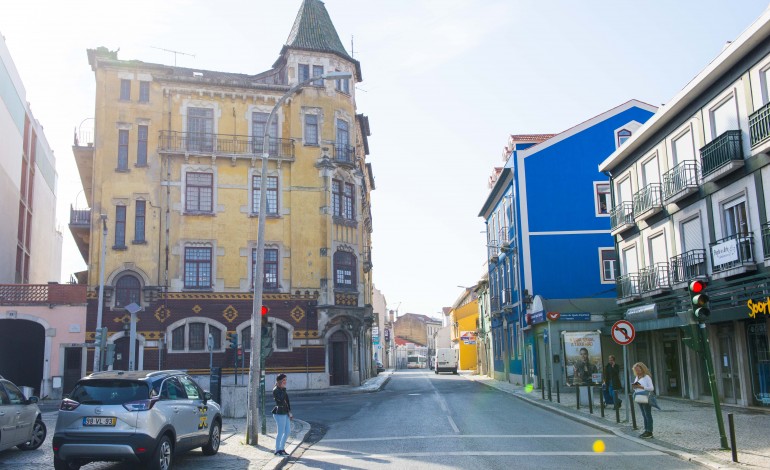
281	414
612	381
643	383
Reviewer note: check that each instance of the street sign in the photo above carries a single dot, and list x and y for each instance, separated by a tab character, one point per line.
623	332
552	316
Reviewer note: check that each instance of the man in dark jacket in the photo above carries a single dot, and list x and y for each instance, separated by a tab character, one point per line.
611	380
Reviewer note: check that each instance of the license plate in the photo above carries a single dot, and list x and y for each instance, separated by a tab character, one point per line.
98	421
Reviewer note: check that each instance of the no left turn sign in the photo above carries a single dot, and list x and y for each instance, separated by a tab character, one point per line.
623	332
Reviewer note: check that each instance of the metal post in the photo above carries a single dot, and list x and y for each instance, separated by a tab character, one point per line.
712	384
731	424
629	401
542	389
590	400
617	413
558	396
132	343
601	402
550	398
100	307
633	412
577	396
262	395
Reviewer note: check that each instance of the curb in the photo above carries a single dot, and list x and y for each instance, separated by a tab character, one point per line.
686	456
278	461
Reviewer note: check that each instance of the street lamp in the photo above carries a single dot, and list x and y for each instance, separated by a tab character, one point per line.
255	372
100	307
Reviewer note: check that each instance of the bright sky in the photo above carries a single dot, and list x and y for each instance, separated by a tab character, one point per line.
445	83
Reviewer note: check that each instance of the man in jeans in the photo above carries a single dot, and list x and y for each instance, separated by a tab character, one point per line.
611	378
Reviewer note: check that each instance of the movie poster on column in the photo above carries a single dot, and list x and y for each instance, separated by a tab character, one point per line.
582	357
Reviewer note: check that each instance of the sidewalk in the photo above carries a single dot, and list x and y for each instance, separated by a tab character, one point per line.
234	453
685	428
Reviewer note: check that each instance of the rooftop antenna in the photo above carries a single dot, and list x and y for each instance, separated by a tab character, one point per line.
173	52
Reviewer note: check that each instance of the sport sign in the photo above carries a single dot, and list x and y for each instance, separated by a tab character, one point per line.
623	332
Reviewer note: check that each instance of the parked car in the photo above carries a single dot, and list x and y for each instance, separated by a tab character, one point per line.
380	367
140	417
21	424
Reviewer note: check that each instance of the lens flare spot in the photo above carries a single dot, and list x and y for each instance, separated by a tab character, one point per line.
528	388
599	446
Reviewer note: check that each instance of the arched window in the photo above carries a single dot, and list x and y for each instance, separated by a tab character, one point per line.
194	336
127	291
344	270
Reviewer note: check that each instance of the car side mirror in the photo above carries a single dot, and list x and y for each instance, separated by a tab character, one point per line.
206	396
32	400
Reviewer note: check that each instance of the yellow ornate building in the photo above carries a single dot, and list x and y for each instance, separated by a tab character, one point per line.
175	167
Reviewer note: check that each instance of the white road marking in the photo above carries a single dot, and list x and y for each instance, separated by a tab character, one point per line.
475	436
315	456
452	423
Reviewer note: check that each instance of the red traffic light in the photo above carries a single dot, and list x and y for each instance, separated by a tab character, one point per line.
265	310
696	287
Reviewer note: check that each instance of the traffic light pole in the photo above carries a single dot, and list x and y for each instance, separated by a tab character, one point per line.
706	351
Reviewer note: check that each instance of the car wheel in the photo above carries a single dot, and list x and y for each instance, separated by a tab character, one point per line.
215	437
59	464
163	455
38	436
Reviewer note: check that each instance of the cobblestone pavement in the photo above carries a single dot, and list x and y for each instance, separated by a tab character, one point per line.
684	428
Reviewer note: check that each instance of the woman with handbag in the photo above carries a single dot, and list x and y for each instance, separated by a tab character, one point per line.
643	388
281	414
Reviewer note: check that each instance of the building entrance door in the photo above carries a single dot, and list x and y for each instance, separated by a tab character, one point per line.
73	362
727	370
338	359
673	383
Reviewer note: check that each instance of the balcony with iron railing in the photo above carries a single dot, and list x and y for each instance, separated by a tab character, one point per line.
505	298
345	154
655	279
648	201
627	287
197	143
621	217
688	266
766	240
759	126
494	302
367	258
80	217
721	156
733	255
680	181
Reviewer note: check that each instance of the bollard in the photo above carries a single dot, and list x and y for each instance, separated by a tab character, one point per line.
731	424
590	400
549	391
633	412
577	396
617	414
601	402
558	396
542	389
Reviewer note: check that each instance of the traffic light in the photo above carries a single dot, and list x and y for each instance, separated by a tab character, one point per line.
100	337
109	356
699	300
233	339
264	311
267	340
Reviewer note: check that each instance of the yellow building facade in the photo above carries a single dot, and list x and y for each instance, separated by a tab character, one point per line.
464	322
175	166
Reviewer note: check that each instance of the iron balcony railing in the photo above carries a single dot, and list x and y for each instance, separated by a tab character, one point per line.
655	277
649	197
766	239
494	302
344	153
759	125
732	252
505	297
680	178
622	214
721	151
687	266
222	144
627	286
80	216
503	237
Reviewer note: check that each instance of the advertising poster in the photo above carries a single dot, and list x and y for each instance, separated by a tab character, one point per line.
582	357
468	337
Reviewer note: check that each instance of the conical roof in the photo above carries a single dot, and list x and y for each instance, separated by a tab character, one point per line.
313	30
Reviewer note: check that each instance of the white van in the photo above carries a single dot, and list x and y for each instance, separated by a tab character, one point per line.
446	360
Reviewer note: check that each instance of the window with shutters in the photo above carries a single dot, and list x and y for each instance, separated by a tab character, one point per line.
724	117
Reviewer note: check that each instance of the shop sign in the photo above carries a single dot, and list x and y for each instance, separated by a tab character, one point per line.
387	335
583	357
762	307
575	316
537	317
468	337
725	252
643	312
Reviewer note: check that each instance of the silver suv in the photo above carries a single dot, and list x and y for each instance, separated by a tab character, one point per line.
141	417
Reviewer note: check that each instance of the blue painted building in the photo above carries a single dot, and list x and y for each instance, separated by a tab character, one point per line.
548	242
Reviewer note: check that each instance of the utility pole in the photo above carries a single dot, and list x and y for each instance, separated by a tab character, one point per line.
100	307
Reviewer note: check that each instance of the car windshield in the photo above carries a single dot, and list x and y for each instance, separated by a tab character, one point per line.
109	392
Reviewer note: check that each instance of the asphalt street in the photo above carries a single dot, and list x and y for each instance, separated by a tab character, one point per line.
422	420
